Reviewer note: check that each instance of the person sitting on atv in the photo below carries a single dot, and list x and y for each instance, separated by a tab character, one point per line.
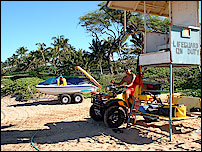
130	80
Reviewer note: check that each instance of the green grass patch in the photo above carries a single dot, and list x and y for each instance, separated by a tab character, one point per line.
20	87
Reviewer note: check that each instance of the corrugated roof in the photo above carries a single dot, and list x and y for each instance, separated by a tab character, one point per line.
160	8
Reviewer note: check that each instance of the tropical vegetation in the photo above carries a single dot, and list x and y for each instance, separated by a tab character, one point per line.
106	27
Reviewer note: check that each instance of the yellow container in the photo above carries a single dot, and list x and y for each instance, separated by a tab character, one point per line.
180	111
145	98
177	110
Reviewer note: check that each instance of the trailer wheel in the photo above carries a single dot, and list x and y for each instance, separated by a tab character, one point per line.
77	98
65	99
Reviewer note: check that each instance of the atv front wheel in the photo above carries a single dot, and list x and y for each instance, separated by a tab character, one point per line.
114	116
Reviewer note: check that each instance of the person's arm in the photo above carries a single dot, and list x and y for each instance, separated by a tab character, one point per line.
120	83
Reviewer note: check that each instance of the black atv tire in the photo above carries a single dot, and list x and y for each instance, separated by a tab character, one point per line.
114	116
93	114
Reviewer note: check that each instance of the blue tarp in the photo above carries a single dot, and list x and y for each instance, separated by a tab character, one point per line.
70	80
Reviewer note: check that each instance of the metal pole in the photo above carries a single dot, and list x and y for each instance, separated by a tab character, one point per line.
145	28
171	74
171	100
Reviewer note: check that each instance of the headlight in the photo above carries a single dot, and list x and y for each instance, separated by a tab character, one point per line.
108	88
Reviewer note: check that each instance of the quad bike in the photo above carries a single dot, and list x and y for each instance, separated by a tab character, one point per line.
112	108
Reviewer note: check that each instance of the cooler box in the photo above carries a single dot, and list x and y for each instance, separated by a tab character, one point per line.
177	110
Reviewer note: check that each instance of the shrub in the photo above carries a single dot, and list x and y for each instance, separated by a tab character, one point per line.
20	87
6	81
105	80
187	80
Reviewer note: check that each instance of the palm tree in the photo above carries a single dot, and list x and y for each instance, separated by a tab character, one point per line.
98	52
54	58
15	61
65	51
87	60
58	43
21	52
42	49
33	58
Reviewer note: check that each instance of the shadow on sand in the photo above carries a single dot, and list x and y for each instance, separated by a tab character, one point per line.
36	103
75	130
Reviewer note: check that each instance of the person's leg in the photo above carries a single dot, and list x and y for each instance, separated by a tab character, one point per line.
128	92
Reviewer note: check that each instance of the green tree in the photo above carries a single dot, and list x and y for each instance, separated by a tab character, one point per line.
58	46
21	52
42	49
103	22
98	52
109	23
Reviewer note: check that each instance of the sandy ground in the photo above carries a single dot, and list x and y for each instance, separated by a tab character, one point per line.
56	127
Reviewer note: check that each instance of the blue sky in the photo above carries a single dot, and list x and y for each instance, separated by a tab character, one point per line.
25	23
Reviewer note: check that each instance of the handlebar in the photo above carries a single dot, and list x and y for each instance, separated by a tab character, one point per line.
120	87
124	87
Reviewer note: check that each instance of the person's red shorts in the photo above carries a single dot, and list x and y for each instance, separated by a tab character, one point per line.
130	91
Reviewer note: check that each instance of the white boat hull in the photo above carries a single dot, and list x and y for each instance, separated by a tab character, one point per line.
53	89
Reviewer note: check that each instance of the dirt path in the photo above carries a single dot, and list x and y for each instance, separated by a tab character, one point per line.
69	127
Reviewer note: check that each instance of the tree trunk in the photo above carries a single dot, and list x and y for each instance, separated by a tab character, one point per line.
109	60
55	70
101	71
116	69
44	59
109	64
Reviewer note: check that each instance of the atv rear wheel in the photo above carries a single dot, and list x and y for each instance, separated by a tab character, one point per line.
114	116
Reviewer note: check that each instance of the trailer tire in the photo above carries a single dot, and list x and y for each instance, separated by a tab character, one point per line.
65	99
77	98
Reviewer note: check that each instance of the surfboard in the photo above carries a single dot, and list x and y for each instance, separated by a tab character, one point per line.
89	76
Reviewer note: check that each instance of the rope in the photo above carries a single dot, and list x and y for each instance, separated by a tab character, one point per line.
197	131
32	140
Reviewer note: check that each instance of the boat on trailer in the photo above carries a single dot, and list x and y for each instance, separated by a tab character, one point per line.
74	85
72	92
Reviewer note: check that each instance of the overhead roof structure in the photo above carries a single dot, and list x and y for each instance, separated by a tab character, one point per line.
183	18
160	8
